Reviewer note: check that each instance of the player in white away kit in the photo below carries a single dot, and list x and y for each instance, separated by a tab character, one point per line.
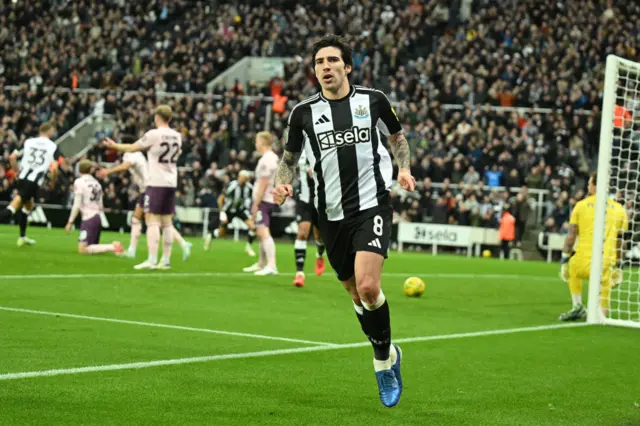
263	204
39	156
87	200
163	146
136	164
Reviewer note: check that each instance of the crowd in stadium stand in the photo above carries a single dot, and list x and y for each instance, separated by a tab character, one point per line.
424	55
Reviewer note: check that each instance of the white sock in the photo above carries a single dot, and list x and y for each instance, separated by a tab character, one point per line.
576	299
358	309
375	305
381	365
393	355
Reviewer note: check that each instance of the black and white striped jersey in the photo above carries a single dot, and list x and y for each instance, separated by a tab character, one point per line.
305	192
342	141
37	155
237	197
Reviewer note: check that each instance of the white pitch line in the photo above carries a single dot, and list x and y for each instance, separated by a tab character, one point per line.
170	326
244	355
286	274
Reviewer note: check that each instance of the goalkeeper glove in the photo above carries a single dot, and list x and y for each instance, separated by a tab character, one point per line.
564	267
617	276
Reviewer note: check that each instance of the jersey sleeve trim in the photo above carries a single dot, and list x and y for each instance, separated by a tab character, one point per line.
388	123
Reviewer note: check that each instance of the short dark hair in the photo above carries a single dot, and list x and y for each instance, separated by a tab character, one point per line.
594	176
332	40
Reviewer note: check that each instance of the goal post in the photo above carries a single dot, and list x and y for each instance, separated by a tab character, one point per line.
618	179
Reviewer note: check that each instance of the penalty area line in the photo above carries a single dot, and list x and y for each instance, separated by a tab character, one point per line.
259	354
169	326
249	274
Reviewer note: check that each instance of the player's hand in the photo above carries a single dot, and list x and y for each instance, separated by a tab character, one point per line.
67	228
108	143
564	267
281	193
617	276
405	180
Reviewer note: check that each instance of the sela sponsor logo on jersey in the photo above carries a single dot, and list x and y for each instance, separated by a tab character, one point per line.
337	139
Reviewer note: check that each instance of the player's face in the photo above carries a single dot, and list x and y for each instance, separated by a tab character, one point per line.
331	70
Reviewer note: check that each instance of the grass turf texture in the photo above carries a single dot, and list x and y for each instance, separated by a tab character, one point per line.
581	376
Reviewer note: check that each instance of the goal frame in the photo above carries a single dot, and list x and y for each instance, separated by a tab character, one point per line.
594	313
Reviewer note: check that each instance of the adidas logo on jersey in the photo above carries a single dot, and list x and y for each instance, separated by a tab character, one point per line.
323	119
352	136
375	243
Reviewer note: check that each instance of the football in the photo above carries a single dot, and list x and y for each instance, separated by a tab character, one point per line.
486	253
413	287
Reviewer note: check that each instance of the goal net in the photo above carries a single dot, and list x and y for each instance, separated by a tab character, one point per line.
614	287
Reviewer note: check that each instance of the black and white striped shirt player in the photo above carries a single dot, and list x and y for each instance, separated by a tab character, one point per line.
305	209
37	155
237	201
352	170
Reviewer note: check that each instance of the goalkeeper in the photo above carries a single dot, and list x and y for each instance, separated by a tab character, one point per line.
576	267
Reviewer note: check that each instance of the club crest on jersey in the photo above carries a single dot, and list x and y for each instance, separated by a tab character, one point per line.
337	139
361	112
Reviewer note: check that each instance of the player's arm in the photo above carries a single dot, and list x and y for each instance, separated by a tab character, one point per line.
13	159
220	201
570	241
390	125
54	168
75	210
258	192
287	168
622	228
123	167
140	145
294	136
248	201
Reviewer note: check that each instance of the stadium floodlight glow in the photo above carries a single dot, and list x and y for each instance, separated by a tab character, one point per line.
618	178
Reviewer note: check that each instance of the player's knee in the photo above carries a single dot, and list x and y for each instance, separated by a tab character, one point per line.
368	286
303	230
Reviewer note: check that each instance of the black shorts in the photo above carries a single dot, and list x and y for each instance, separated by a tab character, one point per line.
369	230
306	212
243	215
28	190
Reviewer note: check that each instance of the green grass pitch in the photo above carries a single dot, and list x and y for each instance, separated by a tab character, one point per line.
233	349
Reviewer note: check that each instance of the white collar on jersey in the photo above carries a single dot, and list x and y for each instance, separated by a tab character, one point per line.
352	93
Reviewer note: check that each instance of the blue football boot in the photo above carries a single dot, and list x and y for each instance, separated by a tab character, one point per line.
396	367
388	387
